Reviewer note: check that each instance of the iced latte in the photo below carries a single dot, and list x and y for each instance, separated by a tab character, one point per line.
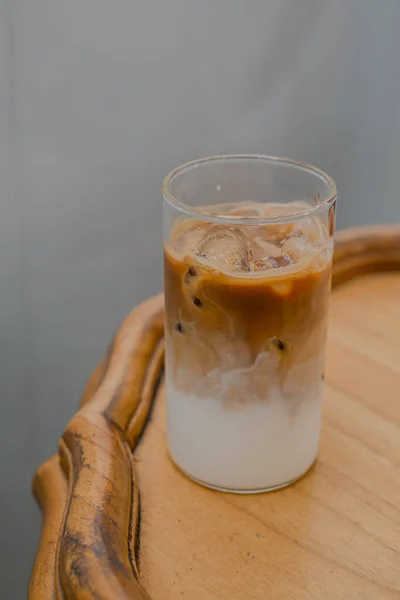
246	302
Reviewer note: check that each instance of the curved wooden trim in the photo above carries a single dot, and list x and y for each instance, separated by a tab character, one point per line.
88	493
363	250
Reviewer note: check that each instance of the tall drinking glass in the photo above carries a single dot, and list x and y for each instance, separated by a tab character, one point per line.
248	256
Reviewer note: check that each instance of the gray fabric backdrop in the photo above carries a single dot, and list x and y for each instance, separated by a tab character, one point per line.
98	100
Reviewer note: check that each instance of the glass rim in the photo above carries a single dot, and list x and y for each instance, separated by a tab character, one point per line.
198	213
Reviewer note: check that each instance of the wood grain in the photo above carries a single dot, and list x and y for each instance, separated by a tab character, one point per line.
335	534
89	495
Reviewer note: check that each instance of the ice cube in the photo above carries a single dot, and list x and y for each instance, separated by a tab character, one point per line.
247	209
187	234
236	209
268	255
226	247
263	247
273	262
297	246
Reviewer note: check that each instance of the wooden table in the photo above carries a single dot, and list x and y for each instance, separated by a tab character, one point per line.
334	535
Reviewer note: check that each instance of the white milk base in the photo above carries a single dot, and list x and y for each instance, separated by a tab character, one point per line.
255	447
